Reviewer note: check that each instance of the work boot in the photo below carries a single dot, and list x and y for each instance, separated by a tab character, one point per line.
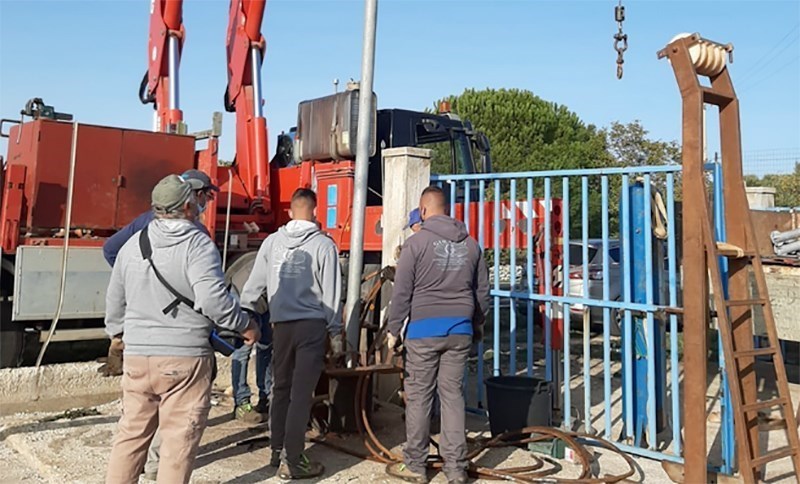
275	458
262	407
401	471
305	469
247	414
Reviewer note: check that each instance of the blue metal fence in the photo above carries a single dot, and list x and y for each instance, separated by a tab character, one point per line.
602	296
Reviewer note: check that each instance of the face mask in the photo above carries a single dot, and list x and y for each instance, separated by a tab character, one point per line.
201	208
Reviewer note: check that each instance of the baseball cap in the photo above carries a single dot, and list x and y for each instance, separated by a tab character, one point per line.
172	192
201	177
413	218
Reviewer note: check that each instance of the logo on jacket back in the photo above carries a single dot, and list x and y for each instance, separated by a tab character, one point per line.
291	263
450	256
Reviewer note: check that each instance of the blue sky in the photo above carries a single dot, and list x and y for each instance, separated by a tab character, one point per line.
87	58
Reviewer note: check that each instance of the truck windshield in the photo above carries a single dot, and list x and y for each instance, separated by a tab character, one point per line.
451	156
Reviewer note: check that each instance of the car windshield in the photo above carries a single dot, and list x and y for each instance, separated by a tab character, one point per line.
576	254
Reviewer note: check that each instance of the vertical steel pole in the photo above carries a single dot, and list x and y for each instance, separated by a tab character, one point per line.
365	108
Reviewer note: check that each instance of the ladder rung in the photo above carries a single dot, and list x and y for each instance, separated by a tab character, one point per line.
751	407
746	302
771	350
772	456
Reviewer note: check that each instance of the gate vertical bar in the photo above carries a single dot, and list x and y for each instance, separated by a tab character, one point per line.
482	244
651	327
548	282
587	357
467	217
496	248
627	391
673	318
512	312
567	410
467	211
728	441
453	194
529	237
606	311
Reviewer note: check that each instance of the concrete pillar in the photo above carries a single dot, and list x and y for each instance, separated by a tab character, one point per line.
406	173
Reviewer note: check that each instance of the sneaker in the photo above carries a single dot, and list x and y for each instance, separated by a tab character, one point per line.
150	476
401	471
246	413
275	458
305	469
457	480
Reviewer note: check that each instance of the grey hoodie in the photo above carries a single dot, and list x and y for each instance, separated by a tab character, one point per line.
441	273
190	262
297	268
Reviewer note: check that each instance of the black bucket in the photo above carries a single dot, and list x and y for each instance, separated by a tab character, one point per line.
516	402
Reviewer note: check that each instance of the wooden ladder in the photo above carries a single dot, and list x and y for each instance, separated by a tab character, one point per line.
735	323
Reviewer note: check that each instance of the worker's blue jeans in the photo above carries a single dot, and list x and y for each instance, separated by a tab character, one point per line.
239	361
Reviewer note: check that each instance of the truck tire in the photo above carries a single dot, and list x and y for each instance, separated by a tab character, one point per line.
237	273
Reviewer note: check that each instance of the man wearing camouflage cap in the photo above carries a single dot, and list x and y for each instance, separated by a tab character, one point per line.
169	361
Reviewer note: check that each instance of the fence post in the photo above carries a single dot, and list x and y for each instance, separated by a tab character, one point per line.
406	172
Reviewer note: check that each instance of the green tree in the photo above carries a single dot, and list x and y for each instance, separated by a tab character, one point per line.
629	145
528	133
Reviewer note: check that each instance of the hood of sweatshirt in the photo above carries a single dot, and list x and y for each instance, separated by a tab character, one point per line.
446	227
170	232
297	233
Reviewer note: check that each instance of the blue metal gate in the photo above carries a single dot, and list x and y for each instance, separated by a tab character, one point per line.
618	277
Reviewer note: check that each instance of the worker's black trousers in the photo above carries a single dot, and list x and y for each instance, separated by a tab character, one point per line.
297	362
436	364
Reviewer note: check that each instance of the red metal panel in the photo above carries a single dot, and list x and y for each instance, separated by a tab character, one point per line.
145	159
96	165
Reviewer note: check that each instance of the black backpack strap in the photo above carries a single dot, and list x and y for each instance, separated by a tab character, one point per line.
147	253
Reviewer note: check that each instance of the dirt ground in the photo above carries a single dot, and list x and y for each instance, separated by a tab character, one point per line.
42	448
49	446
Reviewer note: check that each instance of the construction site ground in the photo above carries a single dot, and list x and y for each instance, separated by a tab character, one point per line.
40	442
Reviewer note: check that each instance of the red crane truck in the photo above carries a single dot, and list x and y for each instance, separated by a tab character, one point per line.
100	177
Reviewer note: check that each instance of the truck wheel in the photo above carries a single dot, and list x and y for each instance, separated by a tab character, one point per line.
237	273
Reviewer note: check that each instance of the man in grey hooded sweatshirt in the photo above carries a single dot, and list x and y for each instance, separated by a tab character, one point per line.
297	268
442	287
169	362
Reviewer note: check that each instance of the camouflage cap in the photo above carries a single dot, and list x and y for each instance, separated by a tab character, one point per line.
172	192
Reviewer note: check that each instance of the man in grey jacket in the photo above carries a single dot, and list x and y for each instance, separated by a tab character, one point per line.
442	286
168	365
297	268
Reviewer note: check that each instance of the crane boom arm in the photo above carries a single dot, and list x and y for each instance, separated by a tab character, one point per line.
160	82
245	49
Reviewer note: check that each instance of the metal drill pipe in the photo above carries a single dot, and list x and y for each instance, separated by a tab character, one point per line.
360	188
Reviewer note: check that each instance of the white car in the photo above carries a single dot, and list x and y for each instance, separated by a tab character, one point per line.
595	279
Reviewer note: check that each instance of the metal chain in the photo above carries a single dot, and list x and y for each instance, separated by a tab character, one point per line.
620	39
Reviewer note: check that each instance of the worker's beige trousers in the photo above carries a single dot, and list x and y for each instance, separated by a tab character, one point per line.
172	394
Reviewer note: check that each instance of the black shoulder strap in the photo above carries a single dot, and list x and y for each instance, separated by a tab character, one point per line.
147	253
